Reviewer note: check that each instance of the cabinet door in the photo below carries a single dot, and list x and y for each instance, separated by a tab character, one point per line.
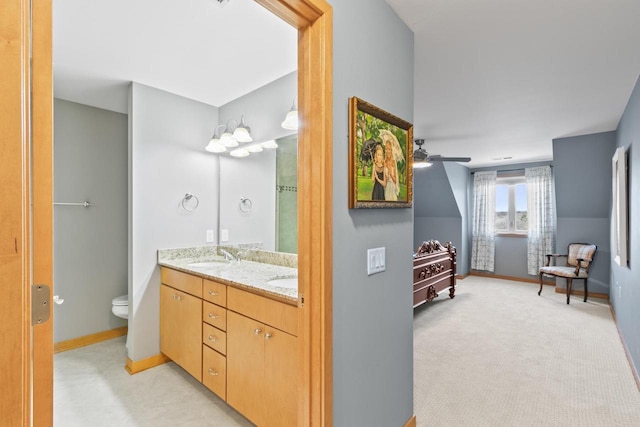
181	329
245	366
214	371
281	378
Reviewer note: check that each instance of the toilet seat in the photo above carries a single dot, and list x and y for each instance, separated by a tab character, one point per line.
121	300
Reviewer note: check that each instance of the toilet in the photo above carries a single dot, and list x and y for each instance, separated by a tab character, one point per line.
120	306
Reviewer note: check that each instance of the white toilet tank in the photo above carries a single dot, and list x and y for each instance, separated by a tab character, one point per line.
120	306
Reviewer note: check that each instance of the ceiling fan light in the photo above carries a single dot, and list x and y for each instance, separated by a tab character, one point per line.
421	164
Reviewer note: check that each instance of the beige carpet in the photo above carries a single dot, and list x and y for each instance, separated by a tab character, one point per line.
500	355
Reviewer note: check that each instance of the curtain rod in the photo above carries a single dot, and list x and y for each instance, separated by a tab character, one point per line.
508	170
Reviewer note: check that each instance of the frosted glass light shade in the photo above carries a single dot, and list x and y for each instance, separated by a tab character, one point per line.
270	144
254	148
291	120
421	164
242	132
239	152
215	146
228	140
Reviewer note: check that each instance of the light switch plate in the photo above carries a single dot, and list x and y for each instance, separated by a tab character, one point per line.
209	236
375	260
224	235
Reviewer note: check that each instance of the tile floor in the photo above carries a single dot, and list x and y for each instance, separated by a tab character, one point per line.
92	388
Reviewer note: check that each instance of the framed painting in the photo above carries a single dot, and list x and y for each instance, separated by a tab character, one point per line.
380	158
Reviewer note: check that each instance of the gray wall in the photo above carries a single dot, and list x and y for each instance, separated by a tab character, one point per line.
625	292
582	174
167	159
440	211
90	244
372	315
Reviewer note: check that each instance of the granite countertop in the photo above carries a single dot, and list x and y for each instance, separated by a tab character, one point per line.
252	273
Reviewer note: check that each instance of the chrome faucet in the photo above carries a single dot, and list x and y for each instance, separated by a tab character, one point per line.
228	256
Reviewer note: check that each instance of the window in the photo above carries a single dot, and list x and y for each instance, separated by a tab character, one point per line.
511	206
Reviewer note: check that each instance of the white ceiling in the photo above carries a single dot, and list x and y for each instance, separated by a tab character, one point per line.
502	78
493	78
193	48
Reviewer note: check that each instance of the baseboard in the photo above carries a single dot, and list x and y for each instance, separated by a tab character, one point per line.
144	364
461	276
578	292
634	371
89	339
411	422
513	278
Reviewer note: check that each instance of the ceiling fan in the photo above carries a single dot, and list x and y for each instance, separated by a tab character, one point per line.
422	159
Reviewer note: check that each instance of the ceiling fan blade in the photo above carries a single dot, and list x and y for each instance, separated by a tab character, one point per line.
449	159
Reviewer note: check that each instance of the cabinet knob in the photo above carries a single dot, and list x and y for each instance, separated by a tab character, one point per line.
213	316
212	372
213	338
258	331
267	336
212	293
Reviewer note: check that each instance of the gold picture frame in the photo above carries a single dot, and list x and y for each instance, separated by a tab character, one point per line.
380	158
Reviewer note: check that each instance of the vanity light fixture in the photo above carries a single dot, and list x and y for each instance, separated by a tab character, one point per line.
269	144
227	138
215	146
239	152
242	132
291	120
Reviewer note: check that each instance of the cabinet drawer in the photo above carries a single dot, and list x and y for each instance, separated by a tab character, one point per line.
214	315
214	338
214	292
274	313
214	372
182	281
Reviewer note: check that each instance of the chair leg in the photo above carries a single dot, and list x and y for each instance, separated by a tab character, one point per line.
568	288
540	284
586	290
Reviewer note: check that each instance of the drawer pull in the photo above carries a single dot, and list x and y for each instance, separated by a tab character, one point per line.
178	297
258	331
213	338
213	316
213	372
213	294
267	336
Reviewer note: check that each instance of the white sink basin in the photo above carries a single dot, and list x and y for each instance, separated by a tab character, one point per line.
207	264
284	282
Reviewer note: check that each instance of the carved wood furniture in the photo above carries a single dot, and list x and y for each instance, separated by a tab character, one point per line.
579	257
434	270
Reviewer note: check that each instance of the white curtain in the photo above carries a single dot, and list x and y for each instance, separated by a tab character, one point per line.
483	243
541	216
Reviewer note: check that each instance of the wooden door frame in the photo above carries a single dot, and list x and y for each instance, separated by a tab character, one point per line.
26	174
314	21
28	28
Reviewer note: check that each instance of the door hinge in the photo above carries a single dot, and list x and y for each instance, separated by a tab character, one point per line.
40	304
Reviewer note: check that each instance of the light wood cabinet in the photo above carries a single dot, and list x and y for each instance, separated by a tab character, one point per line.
240	345
261	364
181	329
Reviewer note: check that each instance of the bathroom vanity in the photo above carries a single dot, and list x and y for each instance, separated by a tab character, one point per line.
232	328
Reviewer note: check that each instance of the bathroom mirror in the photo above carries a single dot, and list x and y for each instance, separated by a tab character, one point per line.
258	198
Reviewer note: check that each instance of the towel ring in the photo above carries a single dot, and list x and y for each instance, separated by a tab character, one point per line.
187	197
245	204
